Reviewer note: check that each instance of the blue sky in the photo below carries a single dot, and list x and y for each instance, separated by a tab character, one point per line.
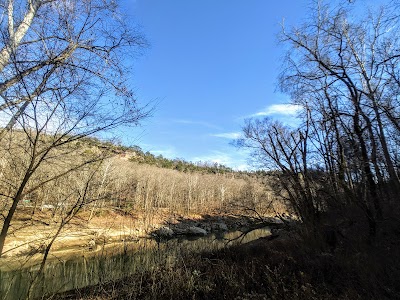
210	64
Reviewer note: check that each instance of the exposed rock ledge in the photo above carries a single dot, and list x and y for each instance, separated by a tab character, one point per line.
204	227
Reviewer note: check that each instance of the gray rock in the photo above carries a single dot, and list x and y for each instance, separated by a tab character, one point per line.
221	226
243	223
193	230
164	232
207	227
274	220
180	230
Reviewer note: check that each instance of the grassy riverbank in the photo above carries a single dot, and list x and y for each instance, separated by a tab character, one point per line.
295	265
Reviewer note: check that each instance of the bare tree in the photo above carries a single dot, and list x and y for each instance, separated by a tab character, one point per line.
278	147
63	76
342	69
82	190
77	48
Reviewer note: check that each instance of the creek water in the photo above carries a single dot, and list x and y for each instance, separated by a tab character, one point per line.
109	262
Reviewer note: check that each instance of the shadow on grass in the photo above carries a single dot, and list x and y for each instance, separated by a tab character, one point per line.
298	264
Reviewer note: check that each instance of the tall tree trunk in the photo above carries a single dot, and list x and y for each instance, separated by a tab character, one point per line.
394	178
368	175
11	211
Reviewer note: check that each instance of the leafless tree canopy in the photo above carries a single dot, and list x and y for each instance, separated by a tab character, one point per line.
63	75
69	53
342	68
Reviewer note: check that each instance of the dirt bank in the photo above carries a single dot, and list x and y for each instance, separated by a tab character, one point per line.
29	234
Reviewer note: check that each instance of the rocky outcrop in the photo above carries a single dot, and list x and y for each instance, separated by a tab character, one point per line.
272	221
164	233
217	226
196	231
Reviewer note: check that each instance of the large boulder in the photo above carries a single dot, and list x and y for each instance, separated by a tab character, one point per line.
197	231
164	232
207	227
220	226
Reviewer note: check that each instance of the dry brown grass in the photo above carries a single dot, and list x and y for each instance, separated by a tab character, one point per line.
289	267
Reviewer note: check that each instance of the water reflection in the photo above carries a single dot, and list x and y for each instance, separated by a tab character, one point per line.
109	262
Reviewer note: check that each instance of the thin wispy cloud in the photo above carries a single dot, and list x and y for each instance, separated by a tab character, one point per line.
234	161
227	135
4	118
196	123
51	122
215	157
279	109
169	152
